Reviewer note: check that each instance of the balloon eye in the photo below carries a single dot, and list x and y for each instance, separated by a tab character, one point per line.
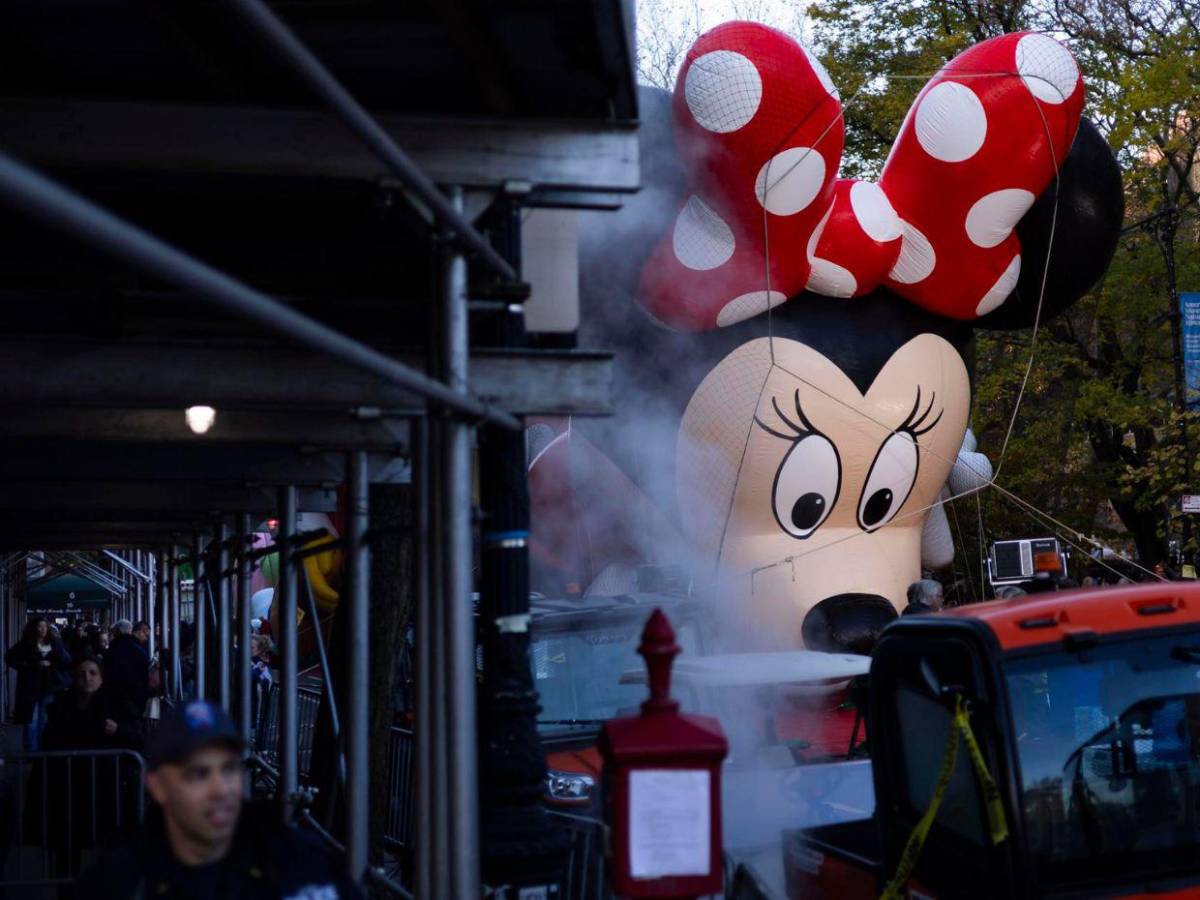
808	511
807	485
889	482
877	507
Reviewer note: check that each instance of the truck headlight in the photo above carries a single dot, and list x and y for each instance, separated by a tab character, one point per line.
568	788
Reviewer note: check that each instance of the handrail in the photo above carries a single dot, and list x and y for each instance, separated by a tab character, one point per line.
321	81
41	198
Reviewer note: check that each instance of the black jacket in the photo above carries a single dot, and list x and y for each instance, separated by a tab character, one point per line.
34	680
268	861
70	728
127	671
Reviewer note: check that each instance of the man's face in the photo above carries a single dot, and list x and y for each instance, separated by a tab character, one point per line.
87	677
142	633
201	796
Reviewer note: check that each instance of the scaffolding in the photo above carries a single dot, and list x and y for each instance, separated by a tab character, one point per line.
101	470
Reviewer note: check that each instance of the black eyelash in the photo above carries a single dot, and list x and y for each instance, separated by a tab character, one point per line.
913	423
798	431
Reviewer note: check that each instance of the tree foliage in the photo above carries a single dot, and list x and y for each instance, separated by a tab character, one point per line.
1098	444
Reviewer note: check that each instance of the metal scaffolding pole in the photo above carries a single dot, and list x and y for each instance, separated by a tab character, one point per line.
357	724
427	784
245	724
458	639
175	605
224	622
200	615
285	596
149	599
39	197
319	79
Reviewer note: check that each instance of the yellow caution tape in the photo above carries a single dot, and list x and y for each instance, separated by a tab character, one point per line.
997	823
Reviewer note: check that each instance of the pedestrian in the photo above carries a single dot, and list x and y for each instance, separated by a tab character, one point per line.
89	799
127	665
199	842
91	715
924	596
260	673
100	643
43	669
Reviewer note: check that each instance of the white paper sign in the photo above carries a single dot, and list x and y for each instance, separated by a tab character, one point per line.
669	828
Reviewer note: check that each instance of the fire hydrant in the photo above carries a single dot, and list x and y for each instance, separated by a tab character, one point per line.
662	772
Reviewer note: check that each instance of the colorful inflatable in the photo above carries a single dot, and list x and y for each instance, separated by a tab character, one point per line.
807	339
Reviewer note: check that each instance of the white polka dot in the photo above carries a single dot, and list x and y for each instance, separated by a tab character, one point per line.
814	238
994	215
822	74
790	180
874	211
747	305
916	259
723	90
1001	289
1047	68
831	280
701	238
951	123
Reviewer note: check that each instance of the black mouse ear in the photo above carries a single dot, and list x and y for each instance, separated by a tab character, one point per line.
1079	240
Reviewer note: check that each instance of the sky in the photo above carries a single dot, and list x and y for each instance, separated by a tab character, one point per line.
667	27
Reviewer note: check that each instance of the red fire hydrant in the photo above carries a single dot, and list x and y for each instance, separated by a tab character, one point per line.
662	772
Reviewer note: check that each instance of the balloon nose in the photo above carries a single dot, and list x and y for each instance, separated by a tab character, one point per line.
846	623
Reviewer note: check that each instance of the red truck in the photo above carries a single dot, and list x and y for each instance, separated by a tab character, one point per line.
1085	706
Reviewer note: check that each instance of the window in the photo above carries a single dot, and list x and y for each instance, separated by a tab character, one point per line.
924	731
1109	748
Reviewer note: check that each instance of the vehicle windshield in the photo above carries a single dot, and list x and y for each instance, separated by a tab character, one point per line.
1109	747
578	674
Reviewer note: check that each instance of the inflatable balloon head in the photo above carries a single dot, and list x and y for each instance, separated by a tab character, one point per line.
820	329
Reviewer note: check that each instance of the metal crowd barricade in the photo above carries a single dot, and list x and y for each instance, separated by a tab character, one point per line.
266	732
587	874
59	808
402	801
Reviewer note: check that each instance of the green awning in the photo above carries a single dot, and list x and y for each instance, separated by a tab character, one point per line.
66	593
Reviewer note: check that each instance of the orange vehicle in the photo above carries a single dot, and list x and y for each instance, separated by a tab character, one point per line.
1084	707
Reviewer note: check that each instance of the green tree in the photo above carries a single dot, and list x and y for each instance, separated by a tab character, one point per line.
1098	443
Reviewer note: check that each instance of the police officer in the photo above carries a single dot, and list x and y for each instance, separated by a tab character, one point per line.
198	841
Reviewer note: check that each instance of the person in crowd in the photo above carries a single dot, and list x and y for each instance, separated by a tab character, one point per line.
127	666
100	643
89	799
91	716
199	841
924	596
141	631
260	672
43	668
77	639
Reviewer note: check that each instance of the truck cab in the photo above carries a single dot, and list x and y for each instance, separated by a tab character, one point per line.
1086	709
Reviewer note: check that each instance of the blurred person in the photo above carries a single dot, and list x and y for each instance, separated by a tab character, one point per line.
127	666
42	664
924	596
198	841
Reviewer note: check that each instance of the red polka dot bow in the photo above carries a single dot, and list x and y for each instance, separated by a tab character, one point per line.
758	126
